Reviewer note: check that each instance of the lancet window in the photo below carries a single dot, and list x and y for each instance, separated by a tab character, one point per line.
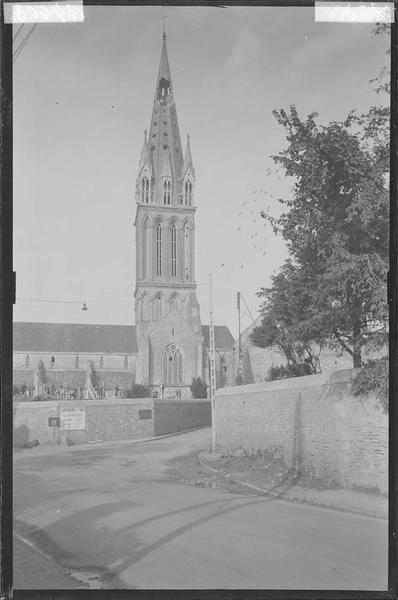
159	250
157	308
167	192
188	193
145	190
173	251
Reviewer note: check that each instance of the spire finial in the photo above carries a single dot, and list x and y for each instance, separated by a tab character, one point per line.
164	28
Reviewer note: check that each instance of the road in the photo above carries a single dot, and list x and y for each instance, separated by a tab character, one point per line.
112	516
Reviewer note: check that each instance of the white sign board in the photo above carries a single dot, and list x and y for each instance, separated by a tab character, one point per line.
72	418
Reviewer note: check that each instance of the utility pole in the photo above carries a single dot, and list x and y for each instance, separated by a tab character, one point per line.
239	342
212	365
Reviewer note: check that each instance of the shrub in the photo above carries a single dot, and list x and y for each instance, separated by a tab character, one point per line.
373	377
138	391
286	371
198	388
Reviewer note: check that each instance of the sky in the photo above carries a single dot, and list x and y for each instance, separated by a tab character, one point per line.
83	95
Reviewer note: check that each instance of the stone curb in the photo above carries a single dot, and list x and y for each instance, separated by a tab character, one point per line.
291	497
74	582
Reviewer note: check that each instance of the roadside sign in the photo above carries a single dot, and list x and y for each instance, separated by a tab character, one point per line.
72	418
53	421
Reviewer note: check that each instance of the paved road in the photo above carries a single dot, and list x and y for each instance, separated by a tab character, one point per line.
111	515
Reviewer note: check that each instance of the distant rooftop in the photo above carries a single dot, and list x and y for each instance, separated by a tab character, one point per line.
97	339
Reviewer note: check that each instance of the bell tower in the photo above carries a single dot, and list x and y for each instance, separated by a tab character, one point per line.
166	308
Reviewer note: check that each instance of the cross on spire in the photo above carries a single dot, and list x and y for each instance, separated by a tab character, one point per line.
164	28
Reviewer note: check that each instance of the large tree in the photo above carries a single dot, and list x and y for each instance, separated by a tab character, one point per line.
336	229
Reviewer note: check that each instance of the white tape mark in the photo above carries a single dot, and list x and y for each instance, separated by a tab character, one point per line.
346	12
70	11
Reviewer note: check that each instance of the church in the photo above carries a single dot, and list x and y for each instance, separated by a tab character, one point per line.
168	347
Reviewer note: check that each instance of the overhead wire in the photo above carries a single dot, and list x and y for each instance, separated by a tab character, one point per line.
18	32
23	44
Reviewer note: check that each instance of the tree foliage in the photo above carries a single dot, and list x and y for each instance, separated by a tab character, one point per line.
332	289
285	323
373	377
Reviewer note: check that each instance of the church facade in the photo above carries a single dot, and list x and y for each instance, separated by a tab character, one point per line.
169	346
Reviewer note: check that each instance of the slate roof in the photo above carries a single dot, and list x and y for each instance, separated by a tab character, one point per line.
222	337
96	339
74	337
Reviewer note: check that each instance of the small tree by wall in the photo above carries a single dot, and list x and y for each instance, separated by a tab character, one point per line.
95	379
198	388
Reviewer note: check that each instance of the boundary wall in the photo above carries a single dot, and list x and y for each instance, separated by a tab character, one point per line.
314	423
171	416
108	420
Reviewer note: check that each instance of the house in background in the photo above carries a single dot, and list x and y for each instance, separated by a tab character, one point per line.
256	361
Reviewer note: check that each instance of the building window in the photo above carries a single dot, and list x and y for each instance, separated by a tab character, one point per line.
126	362
157	308
173	251
52	363
188	193
167	192
101	362
145	190
172	365
27	361
159	250
77	362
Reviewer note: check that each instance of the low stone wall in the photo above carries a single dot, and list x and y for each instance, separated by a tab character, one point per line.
313	422
179	415
106	420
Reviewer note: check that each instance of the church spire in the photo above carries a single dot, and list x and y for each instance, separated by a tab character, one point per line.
164	143
164	87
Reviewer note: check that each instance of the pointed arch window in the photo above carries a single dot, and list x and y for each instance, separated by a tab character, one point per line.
77	361
101	362
126	362
145	190
159	250
172	365
157	308
173	251
188	193
167	192
27	361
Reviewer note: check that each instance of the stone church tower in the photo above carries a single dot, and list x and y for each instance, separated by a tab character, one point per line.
169	333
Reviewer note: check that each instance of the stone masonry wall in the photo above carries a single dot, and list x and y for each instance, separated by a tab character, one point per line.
111	419
314	422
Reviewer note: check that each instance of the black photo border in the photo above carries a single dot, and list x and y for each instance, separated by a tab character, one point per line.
7	299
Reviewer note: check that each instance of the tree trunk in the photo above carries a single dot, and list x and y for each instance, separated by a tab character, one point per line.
357	348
